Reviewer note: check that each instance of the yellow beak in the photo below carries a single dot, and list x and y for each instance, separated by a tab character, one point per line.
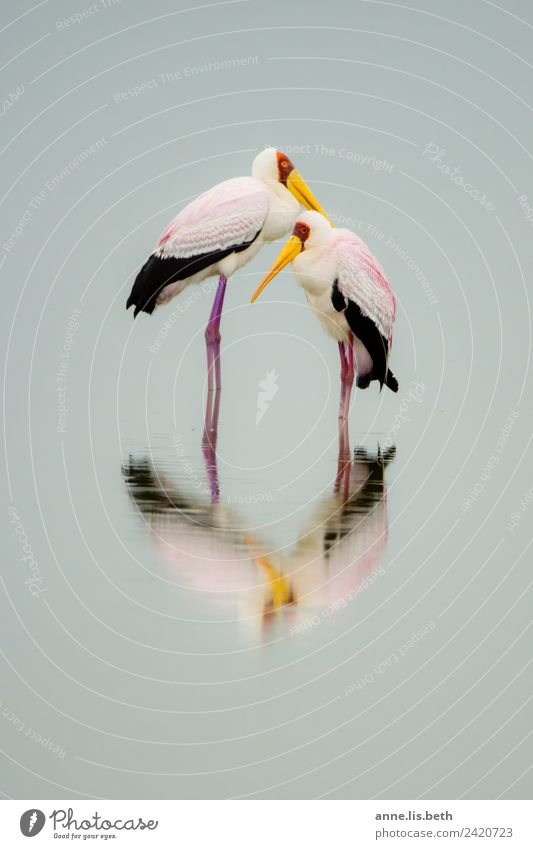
301	191
286	255
279	585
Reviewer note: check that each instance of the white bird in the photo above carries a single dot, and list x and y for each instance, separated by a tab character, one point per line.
347	288
218	233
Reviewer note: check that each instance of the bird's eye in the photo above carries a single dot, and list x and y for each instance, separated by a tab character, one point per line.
302	231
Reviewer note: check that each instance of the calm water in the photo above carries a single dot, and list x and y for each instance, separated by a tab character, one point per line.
267	618
241	566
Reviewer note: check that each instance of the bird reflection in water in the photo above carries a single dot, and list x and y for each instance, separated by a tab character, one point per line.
209	549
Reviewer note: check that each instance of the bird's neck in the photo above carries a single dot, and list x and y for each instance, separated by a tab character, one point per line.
282	212
312	271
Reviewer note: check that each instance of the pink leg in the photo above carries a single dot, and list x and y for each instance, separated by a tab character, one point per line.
344	438
344	369
349	377
212	336
346	489
212	339
209	441
209	450
343	461
344	361
214	384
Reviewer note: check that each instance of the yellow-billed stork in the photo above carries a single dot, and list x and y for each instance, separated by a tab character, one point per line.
347	288
218	233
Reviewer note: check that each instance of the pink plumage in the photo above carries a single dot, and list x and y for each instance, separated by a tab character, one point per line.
362	280
348	290
230	213
220	231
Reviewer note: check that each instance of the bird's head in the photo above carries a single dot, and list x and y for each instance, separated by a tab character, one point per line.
312	230
274	166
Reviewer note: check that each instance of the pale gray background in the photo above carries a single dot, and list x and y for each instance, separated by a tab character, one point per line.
143	683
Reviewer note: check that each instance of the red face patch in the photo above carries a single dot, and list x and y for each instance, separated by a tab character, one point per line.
301	231
285	167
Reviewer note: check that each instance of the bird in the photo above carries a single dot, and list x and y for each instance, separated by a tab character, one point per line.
218	233
347	288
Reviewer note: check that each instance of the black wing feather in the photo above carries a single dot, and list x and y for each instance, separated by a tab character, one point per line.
377	346
158	272
366	331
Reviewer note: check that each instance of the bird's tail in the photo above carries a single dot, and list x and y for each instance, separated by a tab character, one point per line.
391	381
149	282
